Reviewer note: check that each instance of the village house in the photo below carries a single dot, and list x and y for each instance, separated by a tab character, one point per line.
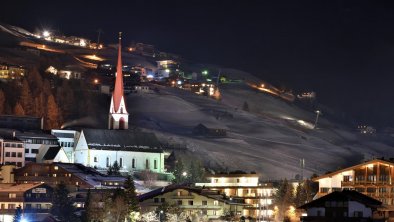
258	196
75	176
194	202
346	205
33	198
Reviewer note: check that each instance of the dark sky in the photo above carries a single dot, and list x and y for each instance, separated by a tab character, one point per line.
343	50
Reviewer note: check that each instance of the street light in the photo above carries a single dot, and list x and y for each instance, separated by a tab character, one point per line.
318	112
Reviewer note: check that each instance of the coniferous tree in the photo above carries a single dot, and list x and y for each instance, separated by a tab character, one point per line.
86	215
178	171
62	206
18	110
53	114
35	80
116	169
26	98
2	102
39	105
283	198
131	198
110	170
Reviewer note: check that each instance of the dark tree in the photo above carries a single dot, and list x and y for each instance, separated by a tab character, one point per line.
116	169
283	198
25	98
53	113
178	171
130	194
18	110
62	206
2	102
86	214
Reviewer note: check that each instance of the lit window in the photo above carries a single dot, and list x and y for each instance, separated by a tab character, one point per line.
54	175
12	195
56	167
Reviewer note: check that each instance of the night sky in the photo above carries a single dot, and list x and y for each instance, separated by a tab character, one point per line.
343	50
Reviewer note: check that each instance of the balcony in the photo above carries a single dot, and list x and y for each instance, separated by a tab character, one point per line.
208	207
365	183
227	184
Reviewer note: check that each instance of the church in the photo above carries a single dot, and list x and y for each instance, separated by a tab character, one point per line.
132	150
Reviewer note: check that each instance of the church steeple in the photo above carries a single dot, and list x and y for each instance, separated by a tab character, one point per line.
118	116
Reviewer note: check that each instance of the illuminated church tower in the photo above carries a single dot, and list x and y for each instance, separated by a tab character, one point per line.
118	116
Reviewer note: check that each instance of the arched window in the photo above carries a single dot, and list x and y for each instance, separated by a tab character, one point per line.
133	163
147	164
108	162
121	162
155	164
121	123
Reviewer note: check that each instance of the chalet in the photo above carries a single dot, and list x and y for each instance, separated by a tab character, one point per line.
346	205
21	123
32	198
202	130
75	176
192	201
372	178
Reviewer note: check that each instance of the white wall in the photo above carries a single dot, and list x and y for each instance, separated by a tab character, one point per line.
127	156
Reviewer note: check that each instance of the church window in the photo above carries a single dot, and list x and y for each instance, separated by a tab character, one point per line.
108	163
95	159
133	163
121	162
147	164
155	164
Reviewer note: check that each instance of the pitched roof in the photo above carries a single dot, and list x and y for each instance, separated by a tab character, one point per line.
345	195
51	153
127	140
13	187
353	167
212	194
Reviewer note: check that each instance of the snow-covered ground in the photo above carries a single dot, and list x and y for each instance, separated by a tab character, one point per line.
268	139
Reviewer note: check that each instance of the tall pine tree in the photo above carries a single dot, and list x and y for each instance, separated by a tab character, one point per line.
18	110
26	98
131	198
53	113
62	206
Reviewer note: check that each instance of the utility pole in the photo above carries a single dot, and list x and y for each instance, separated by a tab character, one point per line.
302	166
318	112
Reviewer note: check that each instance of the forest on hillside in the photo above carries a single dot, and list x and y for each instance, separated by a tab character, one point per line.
43	94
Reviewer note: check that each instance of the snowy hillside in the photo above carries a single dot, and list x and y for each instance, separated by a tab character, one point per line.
271	138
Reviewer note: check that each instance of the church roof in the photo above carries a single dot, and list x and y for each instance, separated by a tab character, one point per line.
127	140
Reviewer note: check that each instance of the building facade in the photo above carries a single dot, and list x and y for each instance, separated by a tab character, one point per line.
373	178
75	176
345	205
35	143
258	195
32	198
194	202
12	152
133	151
67	140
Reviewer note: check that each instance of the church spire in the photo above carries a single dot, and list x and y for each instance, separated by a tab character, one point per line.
118	90
118	116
